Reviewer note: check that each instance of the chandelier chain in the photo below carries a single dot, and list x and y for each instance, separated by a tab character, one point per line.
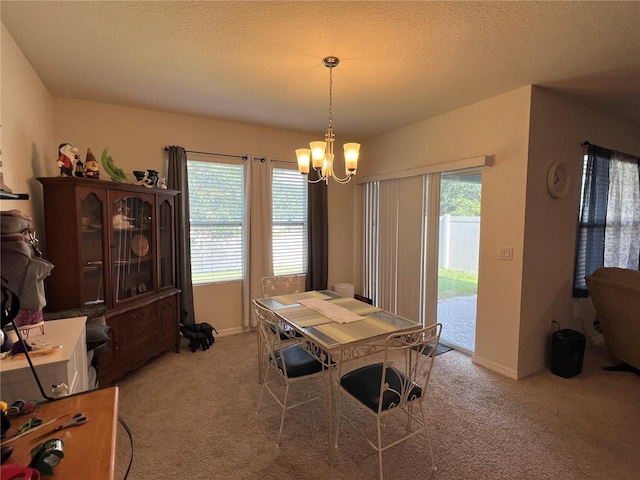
331	97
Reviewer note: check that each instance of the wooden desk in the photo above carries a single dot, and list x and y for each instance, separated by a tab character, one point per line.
89	450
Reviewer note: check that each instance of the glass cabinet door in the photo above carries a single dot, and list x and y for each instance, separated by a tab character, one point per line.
165	243
131	243
92	252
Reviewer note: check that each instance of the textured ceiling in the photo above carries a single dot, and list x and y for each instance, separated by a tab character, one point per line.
260	62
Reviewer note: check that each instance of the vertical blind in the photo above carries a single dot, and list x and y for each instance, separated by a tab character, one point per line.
398	216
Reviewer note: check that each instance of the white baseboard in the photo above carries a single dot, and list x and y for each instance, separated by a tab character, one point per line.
483	362
508	372
234	331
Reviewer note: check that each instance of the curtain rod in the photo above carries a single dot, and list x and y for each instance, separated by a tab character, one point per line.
607	150
243	157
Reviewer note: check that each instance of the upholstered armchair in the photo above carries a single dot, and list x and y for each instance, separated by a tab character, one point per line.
615	293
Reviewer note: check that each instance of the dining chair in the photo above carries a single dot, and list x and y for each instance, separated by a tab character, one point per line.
280	285
391	389
272	286
289	363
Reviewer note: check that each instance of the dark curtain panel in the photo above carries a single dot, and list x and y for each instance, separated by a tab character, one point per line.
318	235
177	180
593	217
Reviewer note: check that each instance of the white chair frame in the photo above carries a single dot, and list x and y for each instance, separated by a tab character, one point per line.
416	351
272	286
273	346
280	285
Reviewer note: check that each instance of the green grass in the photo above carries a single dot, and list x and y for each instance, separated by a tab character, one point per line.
453	283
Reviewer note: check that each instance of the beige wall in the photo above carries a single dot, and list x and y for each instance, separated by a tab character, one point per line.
136	139
558	129
525	130
35	123
28	141
498	127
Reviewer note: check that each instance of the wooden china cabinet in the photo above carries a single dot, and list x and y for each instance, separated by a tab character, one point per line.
113	245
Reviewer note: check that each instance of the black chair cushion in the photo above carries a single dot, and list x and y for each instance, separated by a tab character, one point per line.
364	385
299	362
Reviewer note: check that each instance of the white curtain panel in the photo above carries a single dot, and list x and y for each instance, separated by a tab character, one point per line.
258	237
622	234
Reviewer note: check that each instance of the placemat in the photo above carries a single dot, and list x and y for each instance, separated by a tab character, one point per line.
303	316
352	332
293	298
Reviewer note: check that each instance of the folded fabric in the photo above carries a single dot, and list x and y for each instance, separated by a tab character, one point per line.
24	271
14	221
335	312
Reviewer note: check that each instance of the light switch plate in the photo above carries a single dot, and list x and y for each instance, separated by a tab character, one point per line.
505	253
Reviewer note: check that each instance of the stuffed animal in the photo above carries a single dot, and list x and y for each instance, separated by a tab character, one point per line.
200	335
196	340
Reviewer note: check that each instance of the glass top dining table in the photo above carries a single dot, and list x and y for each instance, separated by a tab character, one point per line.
337	339
328	334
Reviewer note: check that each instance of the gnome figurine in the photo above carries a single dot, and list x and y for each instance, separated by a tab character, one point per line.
92	170
68	154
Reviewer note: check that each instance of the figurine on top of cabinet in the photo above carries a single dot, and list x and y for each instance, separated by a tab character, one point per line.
67	155
92	169
79	168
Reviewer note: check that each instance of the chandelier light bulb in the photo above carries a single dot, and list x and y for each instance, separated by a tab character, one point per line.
327	166
317	153
351	153
303	155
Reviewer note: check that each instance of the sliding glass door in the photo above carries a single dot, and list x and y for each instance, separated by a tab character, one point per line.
421	238
458	252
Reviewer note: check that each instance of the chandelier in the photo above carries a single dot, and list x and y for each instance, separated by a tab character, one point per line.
320	155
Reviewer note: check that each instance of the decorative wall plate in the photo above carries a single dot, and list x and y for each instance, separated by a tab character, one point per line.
140	245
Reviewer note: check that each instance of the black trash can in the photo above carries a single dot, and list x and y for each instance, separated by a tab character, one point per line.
567	353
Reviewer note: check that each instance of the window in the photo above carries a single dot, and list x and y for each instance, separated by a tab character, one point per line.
289	221
216	204
609	224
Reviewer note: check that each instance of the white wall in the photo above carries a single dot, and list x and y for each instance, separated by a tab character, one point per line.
28	141
499	127
34	124
136	139
558	129
526	130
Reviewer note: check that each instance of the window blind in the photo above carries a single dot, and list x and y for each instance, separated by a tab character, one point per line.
216	215
289	221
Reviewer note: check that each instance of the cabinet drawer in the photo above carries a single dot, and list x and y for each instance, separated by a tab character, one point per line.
137	333
168	334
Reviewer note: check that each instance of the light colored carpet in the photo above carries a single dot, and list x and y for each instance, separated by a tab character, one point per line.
193	415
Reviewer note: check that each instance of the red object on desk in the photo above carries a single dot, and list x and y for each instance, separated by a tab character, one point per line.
16	472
